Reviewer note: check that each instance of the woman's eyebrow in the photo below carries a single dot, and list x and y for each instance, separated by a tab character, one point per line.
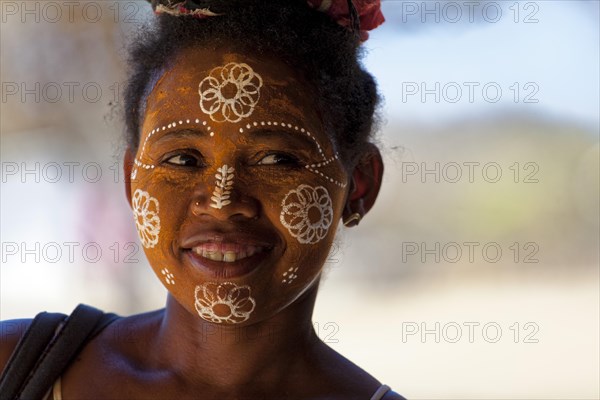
301	138
180	134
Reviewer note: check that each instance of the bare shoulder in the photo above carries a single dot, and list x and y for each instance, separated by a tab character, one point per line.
125	331
114	356
123	341
355	381
11	331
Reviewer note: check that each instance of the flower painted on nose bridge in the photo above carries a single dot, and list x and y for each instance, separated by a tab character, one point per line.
220	197
230	93
147	221
224	302
307	213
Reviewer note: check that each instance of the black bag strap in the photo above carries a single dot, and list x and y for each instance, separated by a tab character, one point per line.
33	381
24	357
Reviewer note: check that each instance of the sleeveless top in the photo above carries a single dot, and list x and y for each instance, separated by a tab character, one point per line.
378	395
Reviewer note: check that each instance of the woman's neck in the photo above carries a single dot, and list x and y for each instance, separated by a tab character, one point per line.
229	356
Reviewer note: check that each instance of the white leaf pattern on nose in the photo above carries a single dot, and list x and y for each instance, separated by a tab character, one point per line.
224	184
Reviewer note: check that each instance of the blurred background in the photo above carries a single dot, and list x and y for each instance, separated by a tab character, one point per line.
475	276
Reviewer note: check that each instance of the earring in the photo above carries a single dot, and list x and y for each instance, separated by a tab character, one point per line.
354	217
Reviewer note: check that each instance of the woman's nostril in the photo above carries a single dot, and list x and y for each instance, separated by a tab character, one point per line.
238	206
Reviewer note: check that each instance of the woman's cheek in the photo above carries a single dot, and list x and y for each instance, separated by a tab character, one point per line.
308	214
153	193
146	208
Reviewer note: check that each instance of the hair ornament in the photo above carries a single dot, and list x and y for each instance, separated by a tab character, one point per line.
181	8
358	15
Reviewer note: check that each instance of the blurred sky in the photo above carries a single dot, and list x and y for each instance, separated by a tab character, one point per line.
559	52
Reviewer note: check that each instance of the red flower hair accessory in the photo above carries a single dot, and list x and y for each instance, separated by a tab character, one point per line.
368	13
361	15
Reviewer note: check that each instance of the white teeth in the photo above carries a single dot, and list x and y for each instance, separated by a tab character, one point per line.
228	256
215	255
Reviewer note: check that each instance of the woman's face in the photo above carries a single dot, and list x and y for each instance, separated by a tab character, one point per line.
236	188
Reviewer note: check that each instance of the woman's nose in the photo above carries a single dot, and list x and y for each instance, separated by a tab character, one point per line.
224	198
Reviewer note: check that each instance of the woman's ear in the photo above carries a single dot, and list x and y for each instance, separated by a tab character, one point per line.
365	184
127	167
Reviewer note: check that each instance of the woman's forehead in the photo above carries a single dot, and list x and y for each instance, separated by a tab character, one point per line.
250	87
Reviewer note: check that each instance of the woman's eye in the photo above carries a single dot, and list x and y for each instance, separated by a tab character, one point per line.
278	159
184	160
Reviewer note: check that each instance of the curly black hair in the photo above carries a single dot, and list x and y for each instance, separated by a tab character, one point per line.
327	54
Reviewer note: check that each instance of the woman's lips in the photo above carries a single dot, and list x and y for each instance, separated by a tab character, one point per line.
220	260
227	253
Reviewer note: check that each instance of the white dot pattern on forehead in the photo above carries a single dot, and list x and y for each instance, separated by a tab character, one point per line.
314	168
140	164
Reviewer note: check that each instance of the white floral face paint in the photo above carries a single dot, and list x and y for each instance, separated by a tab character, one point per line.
290	275
169	277
224	302
230	93
147	221
307	213
220	197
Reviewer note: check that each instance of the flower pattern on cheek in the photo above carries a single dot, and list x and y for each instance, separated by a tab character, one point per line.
230	93
224	302
307	213
147	221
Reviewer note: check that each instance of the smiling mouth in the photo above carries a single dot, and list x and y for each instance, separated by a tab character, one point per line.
224	260
226	252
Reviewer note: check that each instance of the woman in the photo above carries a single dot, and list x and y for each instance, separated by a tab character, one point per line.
248	143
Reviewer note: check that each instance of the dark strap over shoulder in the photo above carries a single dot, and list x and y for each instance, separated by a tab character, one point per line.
52	357
25	356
